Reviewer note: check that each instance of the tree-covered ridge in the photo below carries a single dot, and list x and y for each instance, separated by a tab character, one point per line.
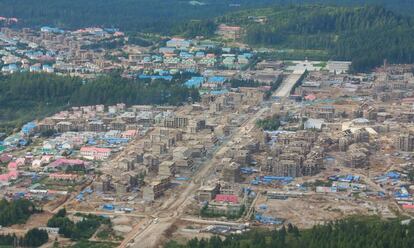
350	233
129	15
148	15
365	35
25	96
317	18
196	28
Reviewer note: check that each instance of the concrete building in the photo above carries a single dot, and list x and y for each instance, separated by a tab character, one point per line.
405	142
231	173
156	188
208	193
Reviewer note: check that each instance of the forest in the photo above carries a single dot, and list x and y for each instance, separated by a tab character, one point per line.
354	232
27	96
33	238
129	15
356	30
148	15
81	230
269	124
364	35
194	28
15	212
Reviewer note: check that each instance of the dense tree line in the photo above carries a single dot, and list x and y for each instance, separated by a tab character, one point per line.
366	35
33	238
92	244
343	31
81	230
236	83
194	28
25	96
130	15
269	124
135	39
114	89
146	15
7	240
350	233
105	44
208	212
15	212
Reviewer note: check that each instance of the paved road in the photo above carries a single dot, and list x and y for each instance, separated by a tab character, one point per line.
211	222
152	234
287	85
97	212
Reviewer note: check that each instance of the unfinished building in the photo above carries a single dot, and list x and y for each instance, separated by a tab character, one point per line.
405	142
295	155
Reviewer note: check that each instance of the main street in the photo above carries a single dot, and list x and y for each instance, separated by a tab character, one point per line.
287	85
152	233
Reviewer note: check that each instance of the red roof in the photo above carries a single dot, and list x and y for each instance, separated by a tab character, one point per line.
408	100
310	97
63	161
95	149
5	158
227	198
12	166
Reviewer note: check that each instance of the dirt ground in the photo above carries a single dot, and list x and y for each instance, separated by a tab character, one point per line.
36	220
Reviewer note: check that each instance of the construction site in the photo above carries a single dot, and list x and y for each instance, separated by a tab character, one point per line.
321	147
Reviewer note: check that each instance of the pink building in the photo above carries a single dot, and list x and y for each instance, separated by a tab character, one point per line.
129	134
95	153
21	161
12	166
5	158
13	174
62	176
227	198
63	164
63	161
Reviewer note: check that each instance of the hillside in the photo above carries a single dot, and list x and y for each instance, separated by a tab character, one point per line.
129	15
147	15
365	35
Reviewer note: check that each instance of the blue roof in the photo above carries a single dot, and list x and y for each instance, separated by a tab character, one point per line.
277	178
247	55
35	68
52	30
194	82
155	77
111	30
50	53
218	92
167	49
163	72
10	67
393	175
217	80
185	55
28	127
